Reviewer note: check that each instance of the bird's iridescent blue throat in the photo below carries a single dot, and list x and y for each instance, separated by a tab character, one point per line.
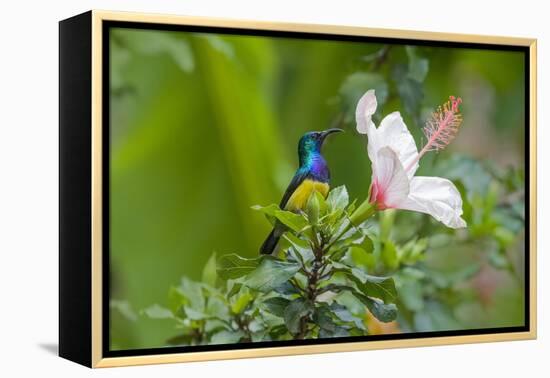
310	157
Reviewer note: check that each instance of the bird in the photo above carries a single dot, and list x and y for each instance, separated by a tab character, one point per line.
312	176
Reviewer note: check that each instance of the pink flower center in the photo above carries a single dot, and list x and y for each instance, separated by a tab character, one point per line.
378	195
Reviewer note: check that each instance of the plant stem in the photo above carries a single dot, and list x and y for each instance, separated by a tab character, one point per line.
313	277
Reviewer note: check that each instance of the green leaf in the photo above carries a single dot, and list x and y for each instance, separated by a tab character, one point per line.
411	295
379	287
328	328
293	221
286	288
271	273
418	67
218	44
234	266
498	260
410	91
338	332
216	307
267	210
180	340
300	246
158	312
313	209
322	317
389	255
295	311
233	287
241	302
209	271
124	308
226	337
360	257
338	199
345	315
276	305
323	206
193	314
383	312
193	294
176	299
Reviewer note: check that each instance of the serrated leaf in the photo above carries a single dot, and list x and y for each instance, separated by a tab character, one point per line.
226	337
216	307
379	287
158	312
383	312
271	273
286	288
293	221
338	199
360	257
267	210
418	67
234	266
300	246
176	299
276	305
313	209
193	294
372	286
294	312
345	315
241	302
193	314
209	271
322	318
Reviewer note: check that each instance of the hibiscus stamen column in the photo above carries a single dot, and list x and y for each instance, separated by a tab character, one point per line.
441	128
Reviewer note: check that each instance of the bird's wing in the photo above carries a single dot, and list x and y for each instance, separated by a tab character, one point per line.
298	178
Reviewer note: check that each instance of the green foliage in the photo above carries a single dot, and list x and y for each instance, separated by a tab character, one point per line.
445	278
300	293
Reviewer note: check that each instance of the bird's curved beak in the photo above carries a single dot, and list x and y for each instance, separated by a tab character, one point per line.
327	132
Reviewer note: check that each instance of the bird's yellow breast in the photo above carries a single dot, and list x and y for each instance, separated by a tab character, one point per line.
298	199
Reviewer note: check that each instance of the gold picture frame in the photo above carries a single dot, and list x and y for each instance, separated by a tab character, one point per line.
90	329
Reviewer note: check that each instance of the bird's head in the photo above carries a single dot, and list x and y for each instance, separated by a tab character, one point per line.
313	140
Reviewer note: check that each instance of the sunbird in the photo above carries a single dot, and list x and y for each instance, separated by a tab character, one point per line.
312	176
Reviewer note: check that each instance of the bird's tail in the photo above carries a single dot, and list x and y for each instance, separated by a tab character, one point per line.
270	243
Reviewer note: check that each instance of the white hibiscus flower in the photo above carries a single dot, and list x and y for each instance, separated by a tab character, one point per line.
395	159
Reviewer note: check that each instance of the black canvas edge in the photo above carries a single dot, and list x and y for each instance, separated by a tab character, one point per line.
75	183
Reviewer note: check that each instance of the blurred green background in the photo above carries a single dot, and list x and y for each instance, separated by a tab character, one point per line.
203	126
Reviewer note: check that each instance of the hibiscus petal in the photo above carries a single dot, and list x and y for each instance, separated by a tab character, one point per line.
392	183
366	107
394	133
437	197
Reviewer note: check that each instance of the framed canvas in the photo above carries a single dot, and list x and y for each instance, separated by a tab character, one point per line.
236	189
